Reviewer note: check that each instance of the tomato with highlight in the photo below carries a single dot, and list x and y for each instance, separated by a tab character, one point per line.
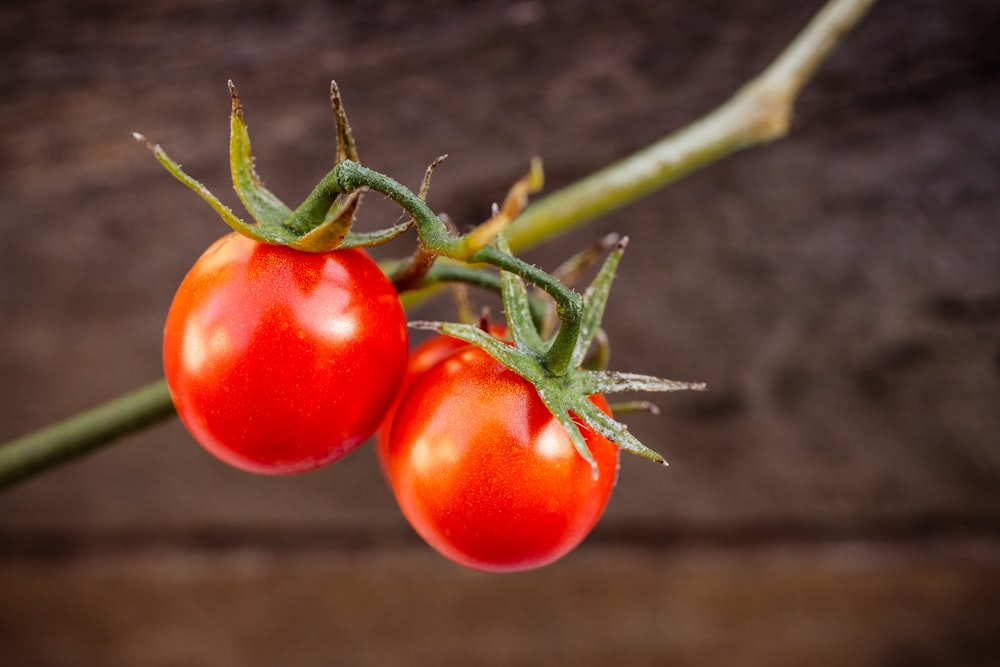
484	472
281	361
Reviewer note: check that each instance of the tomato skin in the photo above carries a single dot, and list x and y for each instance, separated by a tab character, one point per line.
423	356
280	361
486	475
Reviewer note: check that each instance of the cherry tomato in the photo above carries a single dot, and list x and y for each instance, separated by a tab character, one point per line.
484	472
280	361
425	355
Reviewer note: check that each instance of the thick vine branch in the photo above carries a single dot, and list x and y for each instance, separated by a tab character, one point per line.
760	112
83	433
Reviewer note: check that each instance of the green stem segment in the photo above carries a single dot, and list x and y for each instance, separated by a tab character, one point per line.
312	212
435	238
351	176
84	433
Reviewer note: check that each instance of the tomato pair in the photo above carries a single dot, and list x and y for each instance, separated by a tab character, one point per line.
281	361
483	471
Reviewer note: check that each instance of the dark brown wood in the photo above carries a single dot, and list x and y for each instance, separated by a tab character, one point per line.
833	499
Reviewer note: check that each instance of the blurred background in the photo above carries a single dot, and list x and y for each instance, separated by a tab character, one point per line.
834	499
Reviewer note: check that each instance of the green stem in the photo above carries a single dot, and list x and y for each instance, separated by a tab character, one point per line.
435	238
351	176
84	433
559	355
569	304
313	210
451	272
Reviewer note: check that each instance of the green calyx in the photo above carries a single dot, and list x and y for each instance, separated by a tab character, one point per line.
320	224
565	388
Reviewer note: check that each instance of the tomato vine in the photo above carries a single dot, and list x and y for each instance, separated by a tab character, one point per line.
322	224
757	114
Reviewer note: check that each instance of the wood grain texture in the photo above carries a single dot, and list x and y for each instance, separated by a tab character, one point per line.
839	292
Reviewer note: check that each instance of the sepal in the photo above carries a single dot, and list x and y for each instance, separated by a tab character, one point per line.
320	224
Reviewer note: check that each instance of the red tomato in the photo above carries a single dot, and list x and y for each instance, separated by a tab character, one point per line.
484	472
425	355
280	361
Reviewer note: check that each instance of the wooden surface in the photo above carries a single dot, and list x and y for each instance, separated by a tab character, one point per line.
834	499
